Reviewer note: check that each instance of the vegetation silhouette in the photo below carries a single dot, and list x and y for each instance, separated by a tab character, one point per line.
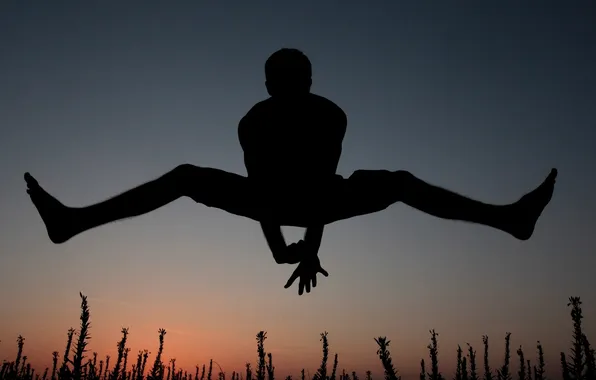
579	365
292	144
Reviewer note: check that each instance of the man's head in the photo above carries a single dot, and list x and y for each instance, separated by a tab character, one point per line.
288	72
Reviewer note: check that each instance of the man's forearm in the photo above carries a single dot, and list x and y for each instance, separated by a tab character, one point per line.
275	239
313	237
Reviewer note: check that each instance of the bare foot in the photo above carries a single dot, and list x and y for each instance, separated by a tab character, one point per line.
56	216
528	209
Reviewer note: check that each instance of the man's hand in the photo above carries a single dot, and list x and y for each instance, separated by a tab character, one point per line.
293	253
307	270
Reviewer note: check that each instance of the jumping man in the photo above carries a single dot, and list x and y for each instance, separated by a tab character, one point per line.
292	144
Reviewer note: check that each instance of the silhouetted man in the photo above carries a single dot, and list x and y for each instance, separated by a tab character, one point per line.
292	145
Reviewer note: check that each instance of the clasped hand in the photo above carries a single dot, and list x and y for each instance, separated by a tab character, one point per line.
308	268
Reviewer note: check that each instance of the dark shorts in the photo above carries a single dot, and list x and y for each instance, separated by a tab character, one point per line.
364	192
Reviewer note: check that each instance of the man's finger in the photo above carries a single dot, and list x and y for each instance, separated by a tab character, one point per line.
324	272
314	281
308	286
291	280
301	287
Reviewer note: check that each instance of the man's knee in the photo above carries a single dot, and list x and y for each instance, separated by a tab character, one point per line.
185	176
401	177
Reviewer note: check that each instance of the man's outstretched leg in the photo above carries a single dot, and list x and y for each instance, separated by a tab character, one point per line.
211	187
377	189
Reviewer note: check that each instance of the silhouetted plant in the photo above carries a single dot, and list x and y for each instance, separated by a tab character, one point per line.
173	368
20	345
100	372
23	366
503	373
248	372
564	367
576	364
334	370
210	369
144	363
488	373
261	336
121	345
540	370
54	364
385	356
422	370
433	349
521	374
156	370
459	364
107	369
590	359
472	357
270	367
64	372
322	372
124	365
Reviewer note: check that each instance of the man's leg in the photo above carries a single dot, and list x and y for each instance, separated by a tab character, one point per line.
211	187
368	191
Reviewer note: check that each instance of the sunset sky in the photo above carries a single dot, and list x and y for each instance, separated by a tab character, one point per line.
483	98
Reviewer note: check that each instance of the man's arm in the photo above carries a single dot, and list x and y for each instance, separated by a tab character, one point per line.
272	232
314	234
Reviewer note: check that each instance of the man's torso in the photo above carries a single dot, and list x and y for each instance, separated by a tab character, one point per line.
291	139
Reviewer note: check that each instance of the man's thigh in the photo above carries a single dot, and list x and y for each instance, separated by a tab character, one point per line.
364	192
229	192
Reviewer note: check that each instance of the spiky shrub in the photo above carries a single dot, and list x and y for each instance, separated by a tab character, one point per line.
270	367
261	336
488	374
472	357
126	352
64	372
121	345
590	358
458	375
322	371
156	371
433	349
385	356
503	373
334	370
539	371
521	374
576	363
20	345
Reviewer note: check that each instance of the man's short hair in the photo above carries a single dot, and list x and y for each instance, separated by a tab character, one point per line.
288	65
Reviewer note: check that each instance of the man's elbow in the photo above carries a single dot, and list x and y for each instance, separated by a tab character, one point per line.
278	259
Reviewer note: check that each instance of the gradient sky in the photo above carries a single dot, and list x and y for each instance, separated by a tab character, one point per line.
482	98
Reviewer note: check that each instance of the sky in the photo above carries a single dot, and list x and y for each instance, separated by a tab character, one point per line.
482	98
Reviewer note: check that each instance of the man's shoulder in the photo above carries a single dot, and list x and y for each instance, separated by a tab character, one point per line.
327	106
313	102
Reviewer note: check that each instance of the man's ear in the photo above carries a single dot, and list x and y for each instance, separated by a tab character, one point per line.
269	89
